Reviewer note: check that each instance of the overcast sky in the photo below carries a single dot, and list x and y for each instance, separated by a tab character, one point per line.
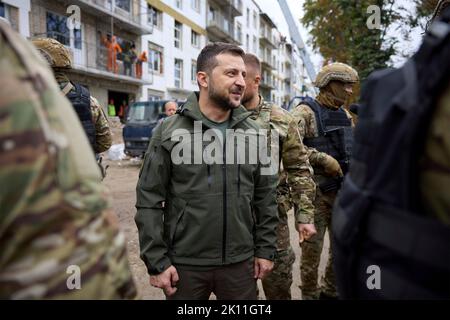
272	8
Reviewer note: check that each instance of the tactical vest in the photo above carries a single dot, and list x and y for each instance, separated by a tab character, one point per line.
335	133
385	245
79	96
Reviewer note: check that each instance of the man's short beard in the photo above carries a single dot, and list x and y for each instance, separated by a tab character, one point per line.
219	99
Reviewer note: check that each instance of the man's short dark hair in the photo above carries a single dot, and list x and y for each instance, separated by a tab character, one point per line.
253	61
207	61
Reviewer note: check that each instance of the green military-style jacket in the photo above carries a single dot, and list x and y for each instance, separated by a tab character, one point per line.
202	214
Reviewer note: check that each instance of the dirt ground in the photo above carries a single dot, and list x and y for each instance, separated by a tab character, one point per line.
121	179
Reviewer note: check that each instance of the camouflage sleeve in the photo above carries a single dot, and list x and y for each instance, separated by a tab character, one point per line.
299	173
317	159
306	121
59	239
103	136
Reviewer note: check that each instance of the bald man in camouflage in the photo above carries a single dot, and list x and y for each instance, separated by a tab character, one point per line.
295	185
56	225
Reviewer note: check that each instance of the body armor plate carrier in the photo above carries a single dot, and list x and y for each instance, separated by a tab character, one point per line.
79	96
335	138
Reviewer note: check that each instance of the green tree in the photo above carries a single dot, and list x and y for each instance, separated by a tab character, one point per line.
424	11
340	33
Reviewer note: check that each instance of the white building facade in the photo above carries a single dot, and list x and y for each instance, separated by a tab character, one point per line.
178	36
17	13
172	32
248	23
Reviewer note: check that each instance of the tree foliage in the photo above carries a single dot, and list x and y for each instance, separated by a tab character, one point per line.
339	32
424	10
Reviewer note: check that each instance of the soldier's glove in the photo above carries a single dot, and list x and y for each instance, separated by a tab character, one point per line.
331	167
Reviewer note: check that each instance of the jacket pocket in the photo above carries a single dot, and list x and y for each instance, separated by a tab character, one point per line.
198	233
241	226
176	211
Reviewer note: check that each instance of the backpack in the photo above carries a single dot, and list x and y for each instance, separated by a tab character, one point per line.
379	225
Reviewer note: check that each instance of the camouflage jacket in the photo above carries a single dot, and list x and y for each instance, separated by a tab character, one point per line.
103	136
293	155
55	221
435	163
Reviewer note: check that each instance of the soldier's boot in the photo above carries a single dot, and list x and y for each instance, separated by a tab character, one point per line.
277	285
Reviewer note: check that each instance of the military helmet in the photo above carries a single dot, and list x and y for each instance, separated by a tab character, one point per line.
56	54
336	71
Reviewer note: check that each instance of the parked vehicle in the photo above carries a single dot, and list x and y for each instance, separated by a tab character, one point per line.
142	118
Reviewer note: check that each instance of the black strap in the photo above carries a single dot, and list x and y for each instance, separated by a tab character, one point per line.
315	107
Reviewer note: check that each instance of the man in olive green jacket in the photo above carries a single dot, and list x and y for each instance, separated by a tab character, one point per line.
207	226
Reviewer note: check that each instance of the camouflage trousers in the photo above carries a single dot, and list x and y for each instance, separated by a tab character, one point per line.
277	285
312	249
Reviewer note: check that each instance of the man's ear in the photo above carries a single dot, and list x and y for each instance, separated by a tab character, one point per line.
257	79
202	79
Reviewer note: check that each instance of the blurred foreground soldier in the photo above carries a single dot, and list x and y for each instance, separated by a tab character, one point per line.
55	223
89	111
299	179
327	127
207	226
391	223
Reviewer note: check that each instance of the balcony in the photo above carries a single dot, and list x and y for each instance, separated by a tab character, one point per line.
265	39
96	61
266	83
265	64
232	7
219	29
126	15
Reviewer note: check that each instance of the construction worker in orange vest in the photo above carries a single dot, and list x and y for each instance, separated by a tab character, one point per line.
113	48
142	58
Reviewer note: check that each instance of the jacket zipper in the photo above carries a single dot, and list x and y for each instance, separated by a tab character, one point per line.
239	180
208	168
224	172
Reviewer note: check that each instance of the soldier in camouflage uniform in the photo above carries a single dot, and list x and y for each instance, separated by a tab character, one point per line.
336	86
53	210
59	58
297	177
